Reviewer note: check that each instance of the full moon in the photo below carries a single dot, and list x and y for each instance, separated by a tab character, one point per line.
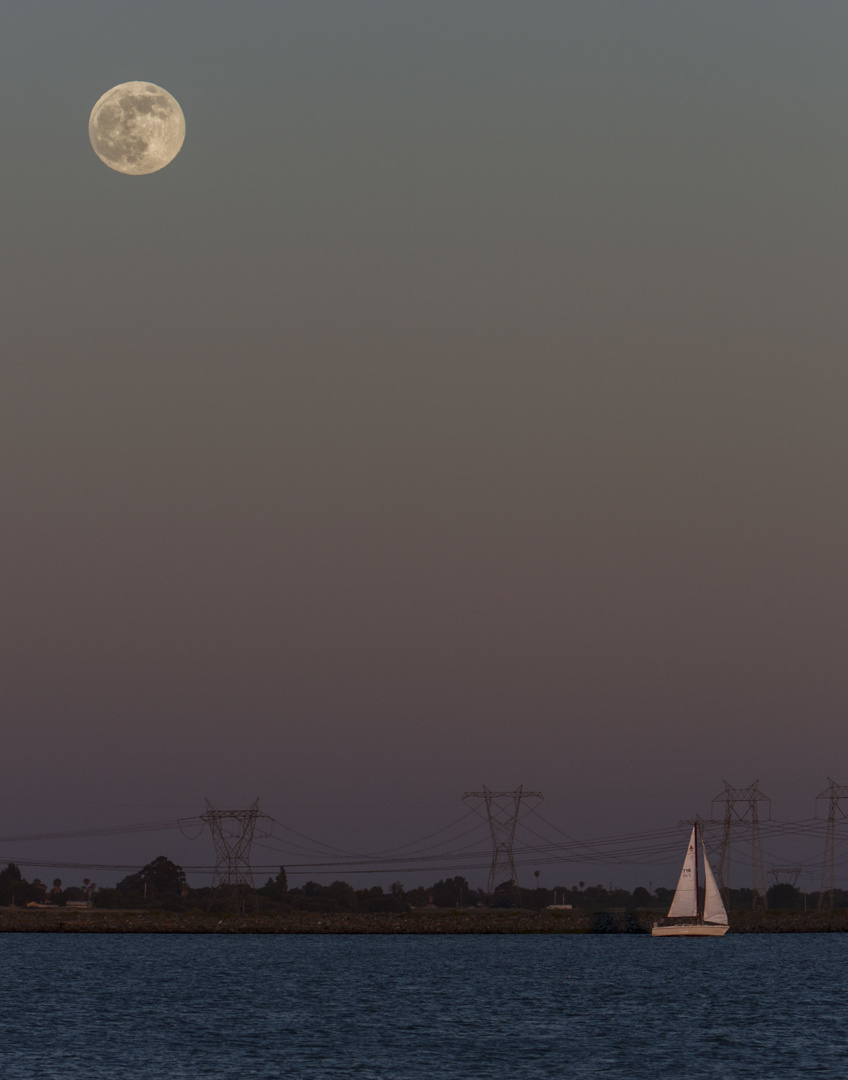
136	128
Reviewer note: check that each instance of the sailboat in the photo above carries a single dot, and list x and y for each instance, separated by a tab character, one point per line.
686	905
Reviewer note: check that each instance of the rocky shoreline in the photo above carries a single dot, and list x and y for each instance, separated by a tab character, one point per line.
468	921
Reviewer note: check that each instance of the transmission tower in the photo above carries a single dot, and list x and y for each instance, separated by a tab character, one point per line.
741	808
786	875
502	810
833	793
232	834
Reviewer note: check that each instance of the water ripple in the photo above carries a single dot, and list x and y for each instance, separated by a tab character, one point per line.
311	1008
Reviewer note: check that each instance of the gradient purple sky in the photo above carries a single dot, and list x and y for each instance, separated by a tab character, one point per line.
466	404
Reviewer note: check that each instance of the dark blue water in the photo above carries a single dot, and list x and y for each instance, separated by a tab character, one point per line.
163	1007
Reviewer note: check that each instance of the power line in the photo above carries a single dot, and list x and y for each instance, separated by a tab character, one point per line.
518	835
114	830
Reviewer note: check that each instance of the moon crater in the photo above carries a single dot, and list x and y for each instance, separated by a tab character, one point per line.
136	128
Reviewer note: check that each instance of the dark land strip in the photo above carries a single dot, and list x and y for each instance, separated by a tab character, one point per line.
468	921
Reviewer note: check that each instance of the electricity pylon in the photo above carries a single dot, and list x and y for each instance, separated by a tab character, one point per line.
786	875
833	793
502	810
741	807
232	834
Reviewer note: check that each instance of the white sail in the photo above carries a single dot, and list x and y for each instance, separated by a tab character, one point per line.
685	902
713	906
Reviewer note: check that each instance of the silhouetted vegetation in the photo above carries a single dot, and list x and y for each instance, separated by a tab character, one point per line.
15	889
161	885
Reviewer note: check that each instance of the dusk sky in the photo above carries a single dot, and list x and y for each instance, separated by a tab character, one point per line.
465	404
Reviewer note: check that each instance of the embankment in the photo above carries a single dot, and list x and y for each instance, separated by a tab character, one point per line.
468	921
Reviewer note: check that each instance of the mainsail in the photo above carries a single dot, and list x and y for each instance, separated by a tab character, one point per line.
685	902
713	906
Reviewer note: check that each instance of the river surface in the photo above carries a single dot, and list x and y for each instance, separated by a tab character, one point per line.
163	1007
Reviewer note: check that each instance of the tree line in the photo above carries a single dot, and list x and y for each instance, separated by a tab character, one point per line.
162	885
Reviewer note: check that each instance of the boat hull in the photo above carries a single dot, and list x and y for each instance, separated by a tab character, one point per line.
695	930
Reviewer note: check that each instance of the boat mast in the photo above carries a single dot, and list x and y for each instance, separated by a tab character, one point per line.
697	884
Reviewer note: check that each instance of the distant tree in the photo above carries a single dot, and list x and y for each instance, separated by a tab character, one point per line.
163	880
374	899
111	898
10	881
452	893
15	889
316	897
276	888
342	893
418	897
785	897
506	895
535	899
